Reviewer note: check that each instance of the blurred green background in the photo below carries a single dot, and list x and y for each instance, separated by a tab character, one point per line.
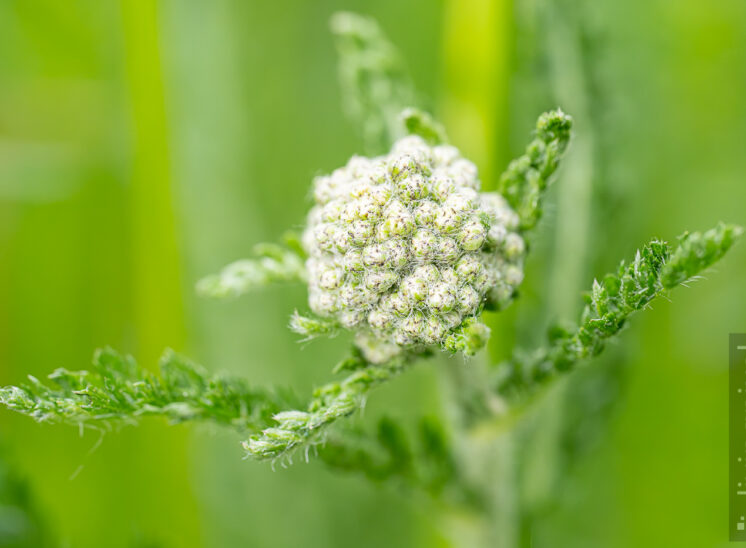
145	144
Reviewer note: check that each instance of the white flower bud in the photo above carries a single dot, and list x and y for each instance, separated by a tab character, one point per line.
332	210
441	185
412	144
461	201
433	331
412	187
513	275
413	288
468	268
514	246
451	320
496	234
323	303
447	220
425	212
472	235
353	261
405	164
467	300
424	244
448	250
399	304
331	278
397	221
373	255
403	248
350	318
396	253
380	320
380	281
444	155
380	195
449	276
361	232
341	239
412	325
464	173
357	166
440	297
428	272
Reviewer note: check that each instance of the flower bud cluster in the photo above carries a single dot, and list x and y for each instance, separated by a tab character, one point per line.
405	247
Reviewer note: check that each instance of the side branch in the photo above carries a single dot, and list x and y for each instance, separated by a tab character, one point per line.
528	176
271	264
612	301
120	390
296	429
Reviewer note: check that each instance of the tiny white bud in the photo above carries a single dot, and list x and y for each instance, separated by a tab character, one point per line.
412	325
513	246
353	260
350	318
396	252
414	288
472	235
361	232
448	250
441	185
412	187
424	213
424	244
380	320
332	210
331	278
468	268
440	298
467	300
443	155
373	255
380	281
513	275
433	331
447	220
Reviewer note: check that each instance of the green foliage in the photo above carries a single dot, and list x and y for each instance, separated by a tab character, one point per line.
612	301
470	337
374	81
120	390
696	252
311	326
271	263
419	122
422	462
527	177
296	429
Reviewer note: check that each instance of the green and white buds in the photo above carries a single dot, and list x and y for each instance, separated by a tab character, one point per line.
404	248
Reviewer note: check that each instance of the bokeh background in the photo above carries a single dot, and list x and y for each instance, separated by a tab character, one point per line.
145	144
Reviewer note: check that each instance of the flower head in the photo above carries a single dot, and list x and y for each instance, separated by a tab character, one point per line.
403	248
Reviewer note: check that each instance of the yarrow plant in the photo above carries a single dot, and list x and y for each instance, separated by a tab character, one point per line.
403	249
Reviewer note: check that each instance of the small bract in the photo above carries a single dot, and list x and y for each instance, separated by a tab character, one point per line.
403	248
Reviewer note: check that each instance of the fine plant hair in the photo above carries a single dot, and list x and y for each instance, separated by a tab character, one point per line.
275	424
